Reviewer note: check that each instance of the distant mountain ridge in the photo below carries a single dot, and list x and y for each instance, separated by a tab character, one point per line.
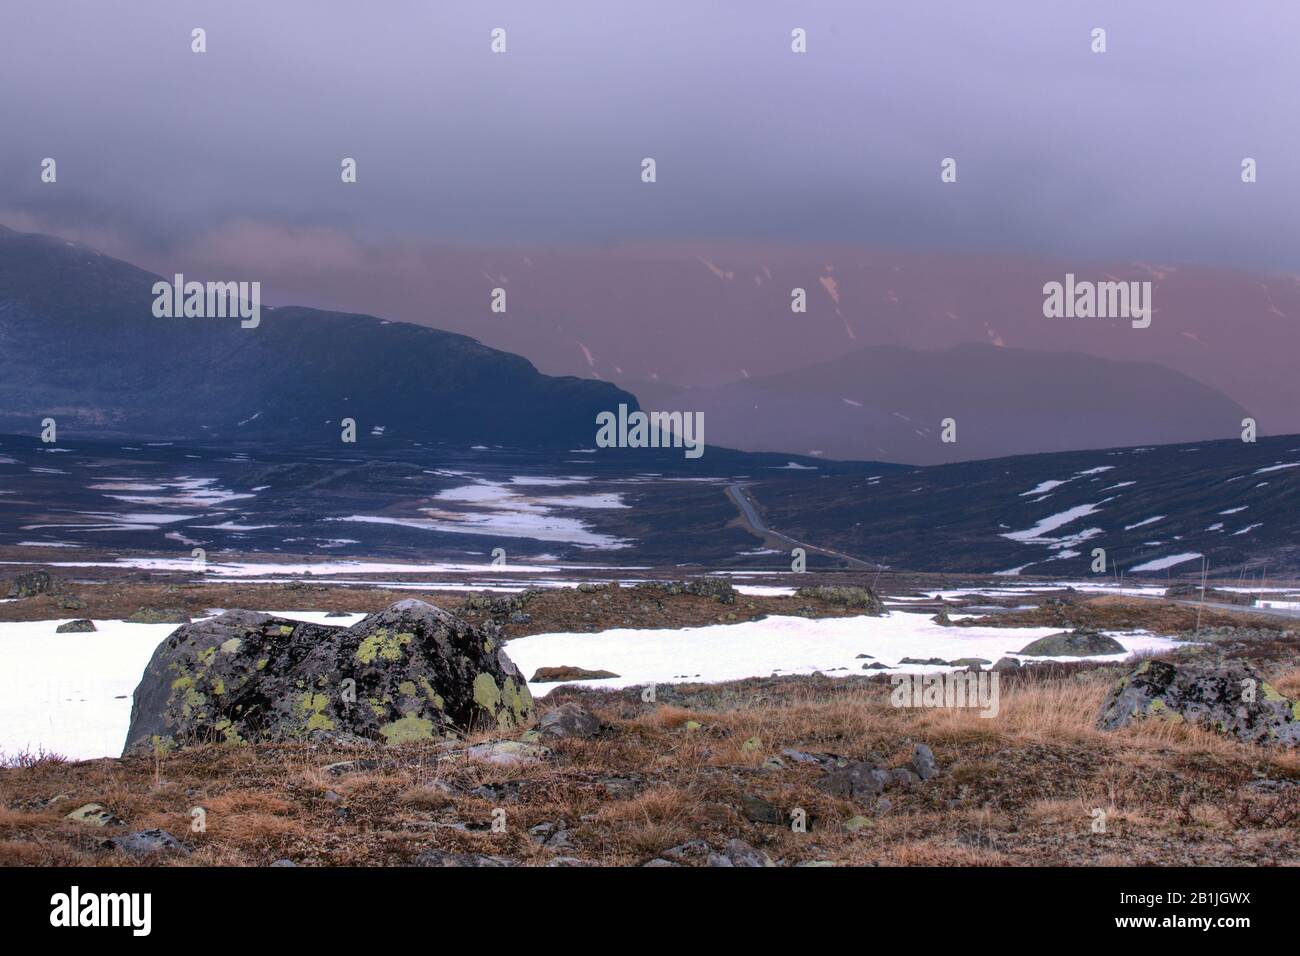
888	403
79	342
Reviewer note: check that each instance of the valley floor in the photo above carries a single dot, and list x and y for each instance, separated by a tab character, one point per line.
705	772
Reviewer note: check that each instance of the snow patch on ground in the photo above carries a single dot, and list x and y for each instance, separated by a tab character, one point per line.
778	645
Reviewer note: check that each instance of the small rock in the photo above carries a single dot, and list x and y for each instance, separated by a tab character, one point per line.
923	762
146	843
443	858
752	745
75	627
740	853
857	780
93	814
551	675
1006	664
854	824
569	720
157	615
799	756
756	809
903	777
507	752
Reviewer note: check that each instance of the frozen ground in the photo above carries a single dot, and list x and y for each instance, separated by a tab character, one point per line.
779	645
71	693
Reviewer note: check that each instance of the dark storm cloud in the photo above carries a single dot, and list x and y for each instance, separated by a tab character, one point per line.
1135	152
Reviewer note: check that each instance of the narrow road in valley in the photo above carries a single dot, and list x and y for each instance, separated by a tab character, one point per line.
754	522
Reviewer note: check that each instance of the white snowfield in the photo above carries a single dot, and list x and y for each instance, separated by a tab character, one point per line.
71	693
780	645
253	569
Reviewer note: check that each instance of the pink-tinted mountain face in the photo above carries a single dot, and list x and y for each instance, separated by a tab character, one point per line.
710	313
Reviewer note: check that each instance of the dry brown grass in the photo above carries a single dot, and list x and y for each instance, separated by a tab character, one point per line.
1020	788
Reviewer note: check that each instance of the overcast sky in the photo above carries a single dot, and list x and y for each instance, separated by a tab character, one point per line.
1131	153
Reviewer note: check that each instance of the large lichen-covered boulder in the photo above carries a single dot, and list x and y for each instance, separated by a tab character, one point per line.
411	672
1230	697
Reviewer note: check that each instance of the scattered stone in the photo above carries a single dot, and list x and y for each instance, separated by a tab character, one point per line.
660	861
337	614
752	745
773	763
875	666
1006	664
857	780
864	657
929	662
719	589
284	862
158	615
923	763
903	777
685	852
507	753
93	814
444	858
70	602
854	824
756	809
1230	697
740	853
146	843
551	835
418	673
31	584
975	662
1081	642
552	675
75	627
568	720
863	599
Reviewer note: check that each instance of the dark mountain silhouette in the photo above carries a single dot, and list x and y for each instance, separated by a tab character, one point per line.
887	403
79	342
